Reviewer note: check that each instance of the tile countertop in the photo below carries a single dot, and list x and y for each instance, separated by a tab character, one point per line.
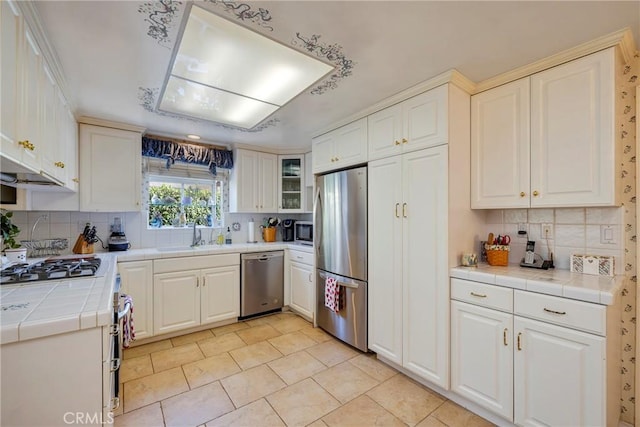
35	310
562	283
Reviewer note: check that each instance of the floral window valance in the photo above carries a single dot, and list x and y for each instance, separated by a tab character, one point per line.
174	151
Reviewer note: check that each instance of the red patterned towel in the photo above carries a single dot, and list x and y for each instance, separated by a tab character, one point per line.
332	294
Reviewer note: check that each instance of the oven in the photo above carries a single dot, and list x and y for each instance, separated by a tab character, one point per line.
303	232
119	312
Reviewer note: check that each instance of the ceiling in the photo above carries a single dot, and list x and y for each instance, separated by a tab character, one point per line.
115	54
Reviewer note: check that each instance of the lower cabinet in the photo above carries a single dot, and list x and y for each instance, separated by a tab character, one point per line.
302	283
531	371
187	294
137	282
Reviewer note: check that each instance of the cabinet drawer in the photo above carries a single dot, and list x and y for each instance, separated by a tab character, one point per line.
482	294
301	257
169	265
561	311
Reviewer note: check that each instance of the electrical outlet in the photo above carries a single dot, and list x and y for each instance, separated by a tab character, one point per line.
522	230
547	231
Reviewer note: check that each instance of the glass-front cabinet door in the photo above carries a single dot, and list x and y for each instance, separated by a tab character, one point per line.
291	183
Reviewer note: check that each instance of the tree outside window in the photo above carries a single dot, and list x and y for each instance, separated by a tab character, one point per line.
182	202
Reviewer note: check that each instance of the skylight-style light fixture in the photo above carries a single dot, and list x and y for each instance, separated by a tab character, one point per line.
228	74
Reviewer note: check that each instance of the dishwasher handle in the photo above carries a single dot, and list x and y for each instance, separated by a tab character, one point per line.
263	256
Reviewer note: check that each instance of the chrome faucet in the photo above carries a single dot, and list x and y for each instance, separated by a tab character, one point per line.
197	241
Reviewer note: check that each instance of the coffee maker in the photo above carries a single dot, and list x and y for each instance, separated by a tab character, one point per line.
287	230
117	241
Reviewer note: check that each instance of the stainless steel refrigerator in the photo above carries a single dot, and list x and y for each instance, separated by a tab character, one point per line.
340	221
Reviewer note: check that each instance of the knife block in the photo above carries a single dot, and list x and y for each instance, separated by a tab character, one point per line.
82	247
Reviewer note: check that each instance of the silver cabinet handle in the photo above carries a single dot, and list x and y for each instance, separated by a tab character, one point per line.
561	313
478	295
115	364
115	403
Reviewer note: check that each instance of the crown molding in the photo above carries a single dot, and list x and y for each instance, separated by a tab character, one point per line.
109	124
622	38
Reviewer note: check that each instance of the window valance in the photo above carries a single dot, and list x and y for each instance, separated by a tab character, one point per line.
188	153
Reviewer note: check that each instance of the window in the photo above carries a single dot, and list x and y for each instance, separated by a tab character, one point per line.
179	196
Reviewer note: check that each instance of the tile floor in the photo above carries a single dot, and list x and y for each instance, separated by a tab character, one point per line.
273	371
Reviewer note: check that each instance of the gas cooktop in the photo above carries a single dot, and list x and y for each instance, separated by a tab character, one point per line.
50	269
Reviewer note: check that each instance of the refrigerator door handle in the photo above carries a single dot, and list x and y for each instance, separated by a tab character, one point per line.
317	208
351	285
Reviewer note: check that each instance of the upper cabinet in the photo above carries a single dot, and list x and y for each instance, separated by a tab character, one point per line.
110	169
547	140
416	123
291	183
345	146
253	184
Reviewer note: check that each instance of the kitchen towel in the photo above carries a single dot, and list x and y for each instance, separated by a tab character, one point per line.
332	294
128	332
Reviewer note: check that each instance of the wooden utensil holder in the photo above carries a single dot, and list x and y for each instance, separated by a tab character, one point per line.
82	247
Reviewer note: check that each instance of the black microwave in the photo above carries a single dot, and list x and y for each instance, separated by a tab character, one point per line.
303	232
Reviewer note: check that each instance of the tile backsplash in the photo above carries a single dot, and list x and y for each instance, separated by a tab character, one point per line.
69	225
574	231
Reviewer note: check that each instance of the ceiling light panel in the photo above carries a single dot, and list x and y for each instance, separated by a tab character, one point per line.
219	62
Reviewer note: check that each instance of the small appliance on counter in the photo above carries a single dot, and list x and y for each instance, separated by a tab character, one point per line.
117	240
287	230
533	260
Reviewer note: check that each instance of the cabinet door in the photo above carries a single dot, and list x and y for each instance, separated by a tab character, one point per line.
52	148
302	288
308	172
424	120
29	128
385	132
176	301
572	117
110	169
385	258
268	183
220	294
500	147
482	357
243	183
137	281
559	375
350	145
69	138
11	44
323	156
425	280
291	183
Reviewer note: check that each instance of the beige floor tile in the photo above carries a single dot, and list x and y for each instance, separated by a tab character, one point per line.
296	367
258	413
255	354
153	388
453	414
251	385
141	350
196	406
302	403
256	322
405	399
316	334
149	416
345	381
274	318
431	421
291	324
193	337
220	344
292	342
362	411
210	369
135	367
332	352
176	356
318	423
258	333
372	367
233	327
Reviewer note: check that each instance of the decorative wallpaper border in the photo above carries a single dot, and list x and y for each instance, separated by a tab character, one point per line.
244	12
160	15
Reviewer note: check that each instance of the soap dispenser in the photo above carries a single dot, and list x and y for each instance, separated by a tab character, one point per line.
220	238
227	238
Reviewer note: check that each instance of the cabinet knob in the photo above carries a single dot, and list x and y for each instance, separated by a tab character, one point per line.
522	194
397	142
76	180
535	193
26	145
404	140
59	164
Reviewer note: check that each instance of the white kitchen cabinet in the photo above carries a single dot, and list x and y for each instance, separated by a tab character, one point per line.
137	281
10	109
291	183
500	149
341	147
523	134
253	184
408	303
193	291
308	171
416	123
110	169
482	356
301	273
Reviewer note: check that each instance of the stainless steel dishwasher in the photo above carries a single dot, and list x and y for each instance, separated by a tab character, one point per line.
261	282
